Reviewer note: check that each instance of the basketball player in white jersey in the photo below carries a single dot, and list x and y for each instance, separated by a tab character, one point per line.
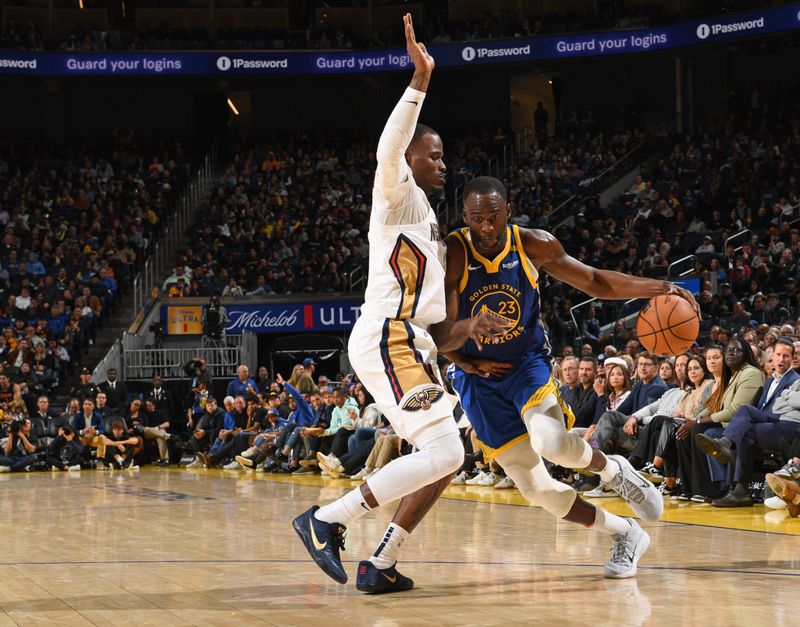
391	349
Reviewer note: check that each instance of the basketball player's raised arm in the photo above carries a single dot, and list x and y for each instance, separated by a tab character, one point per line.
548	254
451	333
392	167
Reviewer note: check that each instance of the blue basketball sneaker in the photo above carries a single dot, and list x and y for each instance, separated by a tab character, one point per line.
374	581
322	541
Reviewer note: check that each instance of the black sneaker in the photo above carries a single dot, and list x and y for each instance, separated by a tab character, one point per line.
374	581
322	541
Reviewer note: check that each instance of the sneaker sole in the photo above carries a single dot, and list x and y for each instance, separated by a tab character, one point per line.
631	572
779	487
244	461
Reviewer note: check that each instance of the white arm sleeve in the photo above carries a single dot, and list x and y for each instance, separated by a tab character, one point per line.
396	136
396	199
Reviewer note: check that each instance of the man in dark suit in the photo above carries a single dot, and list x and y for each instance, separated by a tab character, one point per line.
162	398
116	392
744	433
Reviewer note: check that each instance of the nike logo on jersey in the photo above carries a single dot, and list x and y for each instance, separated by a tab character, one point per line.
471	267
317	544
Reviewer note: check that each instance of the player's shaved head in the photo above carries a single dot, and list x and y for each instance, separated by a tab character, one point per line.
419	132
485	185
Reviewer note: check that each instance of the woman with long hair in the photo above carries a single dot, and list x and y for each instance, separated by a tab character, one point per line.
746	379
657	441
617	388
667	373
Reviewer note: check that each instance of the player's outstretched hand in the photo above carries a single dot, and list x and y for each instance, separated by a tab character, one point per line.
487	326
485	367
423	62
677	290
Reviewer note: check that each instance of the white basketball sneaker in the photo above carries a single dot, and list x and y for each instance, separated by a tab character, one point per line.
643	496
626	552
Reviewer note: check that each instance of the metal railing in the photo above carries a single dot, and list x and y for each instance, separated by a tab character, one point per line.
523	140
737	240
358	280
681	267
592	184
142	363
112	359
163	252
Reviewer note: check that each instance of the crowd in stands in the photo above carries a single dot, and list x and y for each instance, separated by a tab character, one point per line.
438	29
706	425
740	175
76	221
291	216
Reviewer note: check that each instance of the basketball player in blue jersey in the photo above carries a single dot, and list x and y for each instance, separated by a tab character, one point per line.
391	349
507	388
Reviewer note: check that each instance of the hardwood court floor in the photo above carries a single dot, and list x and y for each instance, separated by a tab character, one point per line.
176	547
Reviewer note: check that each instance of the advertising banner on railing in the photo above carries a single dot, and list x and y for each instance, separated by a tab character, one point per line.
267	317
228	63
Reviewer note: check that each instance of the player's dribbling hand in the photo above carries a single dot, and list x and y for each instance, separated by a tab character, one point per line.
485	367
677	290
423	62
487	326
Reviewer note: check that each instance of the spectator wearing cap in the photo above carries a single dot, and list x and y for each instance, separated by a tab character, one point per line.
274	401
116	391
84	388
707	247
242	385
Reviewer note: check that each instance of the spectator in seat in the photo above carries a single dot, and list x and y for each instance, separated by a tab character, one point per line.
759	426
8	391
162	398
48	418
234	422
745	382
64	452
584	399
116	391
242	385
120	446
342	425
85	388
19	452
102	408
616	429
569	374
207	429
262	379
157	428
89	425
657	441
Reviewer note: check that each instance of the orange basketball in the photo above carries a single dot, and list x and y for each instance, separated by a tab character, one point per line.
667	325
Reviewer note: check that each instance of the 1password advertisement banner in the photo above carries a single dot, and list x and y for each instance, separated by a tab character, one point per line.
729	27
266	317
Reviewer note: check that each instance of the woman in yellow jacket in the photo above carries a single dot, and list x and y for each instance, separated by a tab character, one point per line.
743	388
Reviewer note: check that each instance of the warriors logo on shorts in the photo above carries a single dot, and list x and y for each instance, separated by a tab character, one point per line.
423	399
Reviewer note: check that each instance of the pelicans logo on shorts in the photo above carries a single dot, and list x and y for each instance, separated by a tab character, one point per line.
423	399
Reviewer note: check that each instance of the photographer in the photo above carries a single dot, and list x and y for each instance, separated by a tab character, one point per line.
215	319
18	452
195	369
64	452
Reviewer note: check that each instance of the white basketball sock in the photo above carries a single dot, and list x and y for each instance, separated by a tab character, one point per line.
345	510
610	471
389	548
608	523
